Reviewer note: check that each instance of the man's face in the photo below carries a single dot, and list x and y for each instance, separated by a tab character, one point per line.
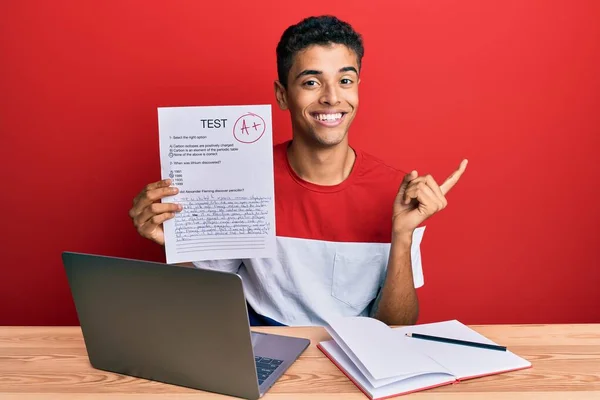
322	93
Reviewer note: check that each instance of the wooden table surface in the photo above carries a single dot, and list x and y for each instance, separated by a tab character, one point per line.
44	363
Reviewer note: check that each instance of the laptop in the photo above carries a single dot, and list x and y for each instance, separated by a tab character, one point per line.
172	324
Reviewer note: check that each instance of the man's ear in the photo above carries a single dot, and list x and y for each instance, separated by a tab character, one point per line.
281	95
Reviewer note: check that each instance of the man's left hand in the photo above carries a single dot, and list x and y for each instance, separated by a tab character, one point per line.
419	197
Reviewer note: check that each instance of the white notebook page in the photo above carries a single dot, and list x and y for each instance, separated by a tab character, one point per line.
403	386
462	361
382	352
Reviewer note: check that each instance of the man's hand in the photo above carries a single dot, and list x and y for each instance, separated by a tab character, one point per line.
419	197
148	213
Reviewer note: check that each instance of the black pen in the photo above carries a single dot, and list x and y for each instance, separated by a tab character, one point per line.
456	341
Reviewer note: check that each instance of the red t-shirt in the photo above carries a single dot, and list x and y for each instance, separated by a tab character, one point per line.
357	210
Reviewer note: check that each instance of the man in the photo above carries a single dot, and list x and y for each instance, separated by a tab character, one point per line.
345	220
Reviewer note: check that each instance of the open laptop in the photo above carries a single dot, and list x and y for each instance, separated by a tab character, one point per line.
183	326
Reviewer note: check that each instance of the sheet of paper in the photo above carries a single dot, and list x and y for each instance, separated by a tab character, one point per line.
382	353
341	345
392	388
221	160
463	361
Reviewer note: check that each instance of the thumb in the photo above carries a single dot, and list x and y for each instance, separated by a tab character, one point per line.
407	179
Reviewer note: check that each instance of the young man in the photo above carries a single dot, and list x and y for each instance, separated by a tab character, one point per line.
345	220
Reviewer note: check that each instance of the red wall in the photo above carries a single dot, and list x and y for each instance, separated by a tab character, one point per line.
512	85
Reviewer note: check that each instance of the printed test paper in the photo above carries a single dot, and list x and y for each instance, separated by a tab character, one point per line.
221	160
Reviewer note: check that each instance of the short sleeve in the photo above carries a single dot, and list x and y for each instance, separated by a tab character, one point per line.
415	256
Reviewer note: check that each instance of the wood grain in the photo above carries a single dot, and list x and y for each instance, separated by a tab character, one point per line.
51	363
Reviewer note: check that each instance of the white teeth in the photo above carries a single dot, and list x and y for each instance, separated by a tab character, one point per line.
328	117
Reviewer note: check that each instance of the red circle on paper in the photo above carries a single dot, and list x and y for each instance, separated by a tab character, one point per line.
249	128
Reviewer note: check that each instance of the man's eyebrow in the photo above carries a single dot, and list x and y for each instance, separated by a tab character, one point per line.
309	72
315	72
348	69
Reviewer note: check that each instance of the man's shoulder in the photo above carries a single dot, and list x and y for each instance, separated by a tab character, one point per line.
280	151
279	147
375	166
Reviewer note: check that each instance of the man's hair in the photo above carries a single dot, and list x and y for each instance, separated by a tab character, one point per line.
323	30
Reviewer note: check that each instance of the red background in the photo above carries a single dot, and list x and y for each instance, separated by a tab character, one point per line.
512	85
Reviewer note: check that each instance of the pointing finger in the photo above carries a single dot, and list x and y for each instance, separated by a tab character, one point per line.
453	179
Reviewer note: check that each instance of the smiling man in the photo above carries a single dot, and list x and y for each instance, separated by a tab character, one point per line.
346	221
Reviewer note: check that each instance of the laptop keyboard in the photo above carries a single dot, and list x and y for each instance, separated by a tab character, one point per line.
265	367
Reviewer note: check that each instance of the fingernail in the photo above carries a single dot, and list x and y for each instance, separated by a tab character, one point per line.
174	190
179	207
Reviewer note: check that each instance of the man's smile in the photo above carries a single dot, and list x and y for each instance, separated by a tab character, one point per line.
329	119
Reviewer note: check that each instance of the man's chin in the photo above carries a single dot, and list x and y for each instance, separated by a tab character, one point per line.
329	139
328	142
321	138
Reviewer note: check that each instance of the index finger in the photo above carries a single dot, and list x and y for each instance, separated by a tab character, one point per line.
149	187
453	179
159	184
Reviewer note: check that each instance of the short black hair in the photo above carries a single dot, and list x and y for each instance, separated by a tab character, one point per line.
322	30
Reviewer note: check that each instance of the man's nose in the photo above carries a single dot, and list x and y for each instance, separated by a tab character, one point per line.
329	96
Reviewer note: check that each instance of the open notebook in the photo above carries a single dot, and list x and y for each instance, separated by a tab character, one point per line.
383	362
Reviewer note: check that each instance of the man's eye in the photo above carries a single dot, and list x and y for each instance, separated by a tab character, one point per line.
310	83
346	81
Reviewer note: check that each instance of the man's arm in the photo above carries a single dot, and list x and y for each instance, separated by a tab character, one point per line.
397	303
418	198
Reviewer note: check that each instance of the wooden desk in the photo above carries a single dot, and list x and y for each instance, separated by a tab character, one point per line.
44	363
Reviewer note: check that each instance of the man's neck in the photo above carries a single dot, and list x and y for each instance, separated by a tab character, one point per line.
326	166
